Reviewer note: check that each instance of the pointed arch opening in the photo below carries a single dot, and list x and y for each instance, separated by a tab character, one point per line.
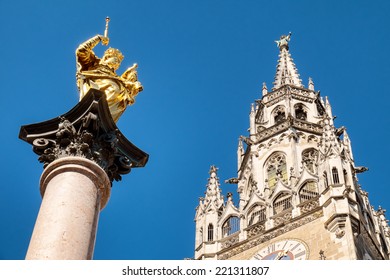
308	191
309	159
300	111
279	114
325	177
335	176
210	232
276	168
230	226
257	214
282	203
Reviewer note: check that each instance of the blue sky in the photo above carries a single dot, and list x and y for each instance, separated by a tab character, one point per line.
202	63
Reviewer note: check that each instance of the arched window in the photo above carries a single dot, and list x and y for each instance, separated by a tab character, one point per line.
210	233
230	226
276	170
300	112
256	215
309	158
346	178
326	183
279	114
335	176
308	191
282	203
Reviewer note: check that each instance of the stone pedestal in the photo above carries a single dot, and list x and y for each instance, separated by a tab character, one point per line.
82	152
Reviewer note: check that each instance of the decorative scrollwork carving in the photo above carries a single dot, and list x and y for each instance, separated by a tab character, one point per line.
84	141
282	219
255	230
86	131
230	242
309	206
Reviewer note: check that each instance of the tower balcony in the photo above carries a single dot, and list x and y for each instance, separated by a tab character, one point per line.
285	125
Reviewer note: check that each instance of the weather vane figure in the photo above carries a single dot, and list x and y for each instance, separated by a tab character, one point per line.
99	73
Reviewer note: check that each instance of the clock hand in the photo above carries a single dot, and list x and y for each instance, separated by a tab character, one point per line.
281	255
277	256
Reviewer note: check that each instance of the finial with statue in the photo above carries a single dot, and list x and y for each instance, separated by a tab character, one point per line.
283	42
99	73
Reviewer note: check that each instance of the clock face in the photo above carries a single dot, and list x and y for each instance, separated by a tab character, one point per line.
286	249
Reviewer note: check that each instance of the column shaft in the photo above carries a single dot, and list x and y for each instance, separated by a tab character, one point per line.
74	190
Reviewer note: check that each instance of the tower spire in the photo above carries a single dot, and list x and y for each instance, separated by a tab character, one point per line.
286	71
213	192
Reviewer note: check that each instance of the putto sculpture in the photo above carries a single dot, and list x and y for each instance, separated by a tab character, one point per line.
99	73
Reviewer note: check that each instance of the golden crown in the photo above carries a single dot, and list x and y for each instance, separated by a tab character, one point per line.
114	52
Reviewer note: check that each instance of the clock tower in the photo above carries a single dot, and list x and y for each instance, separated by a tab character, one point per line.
299	196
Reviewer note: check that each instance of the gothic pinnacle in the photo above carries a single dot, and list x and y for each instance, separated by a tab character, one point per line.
311	84
264	89
286	71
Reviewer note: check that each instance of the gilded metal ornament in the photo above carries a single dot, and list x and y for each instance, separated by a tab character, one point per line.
99	73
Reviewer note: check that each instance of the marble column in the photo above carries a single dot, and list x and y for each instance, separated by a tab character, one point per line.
74	190
82	152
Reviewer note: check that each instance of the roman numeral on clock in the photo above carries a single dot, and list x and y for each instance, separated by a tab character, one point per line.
300	254
293	248
271	248
258	256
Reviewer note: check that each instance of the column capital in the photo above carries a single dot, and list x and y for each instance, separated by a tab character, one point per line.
86	131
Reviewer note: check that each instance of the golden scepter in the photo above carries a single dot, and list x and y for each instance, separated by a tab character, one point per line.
106	30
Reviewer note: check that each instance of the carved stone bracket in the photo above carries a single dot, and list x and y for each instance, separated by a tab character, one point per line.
336	225
86	131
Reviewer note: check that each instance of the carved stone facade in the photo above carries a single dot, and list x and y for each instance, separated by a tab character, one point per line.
296	184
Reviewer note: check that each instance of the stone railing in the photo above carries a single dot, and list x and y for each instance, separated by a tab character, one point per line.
230	240
271	233
271	131
284	125
298	93
307	126
282	217
309	205
255	229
